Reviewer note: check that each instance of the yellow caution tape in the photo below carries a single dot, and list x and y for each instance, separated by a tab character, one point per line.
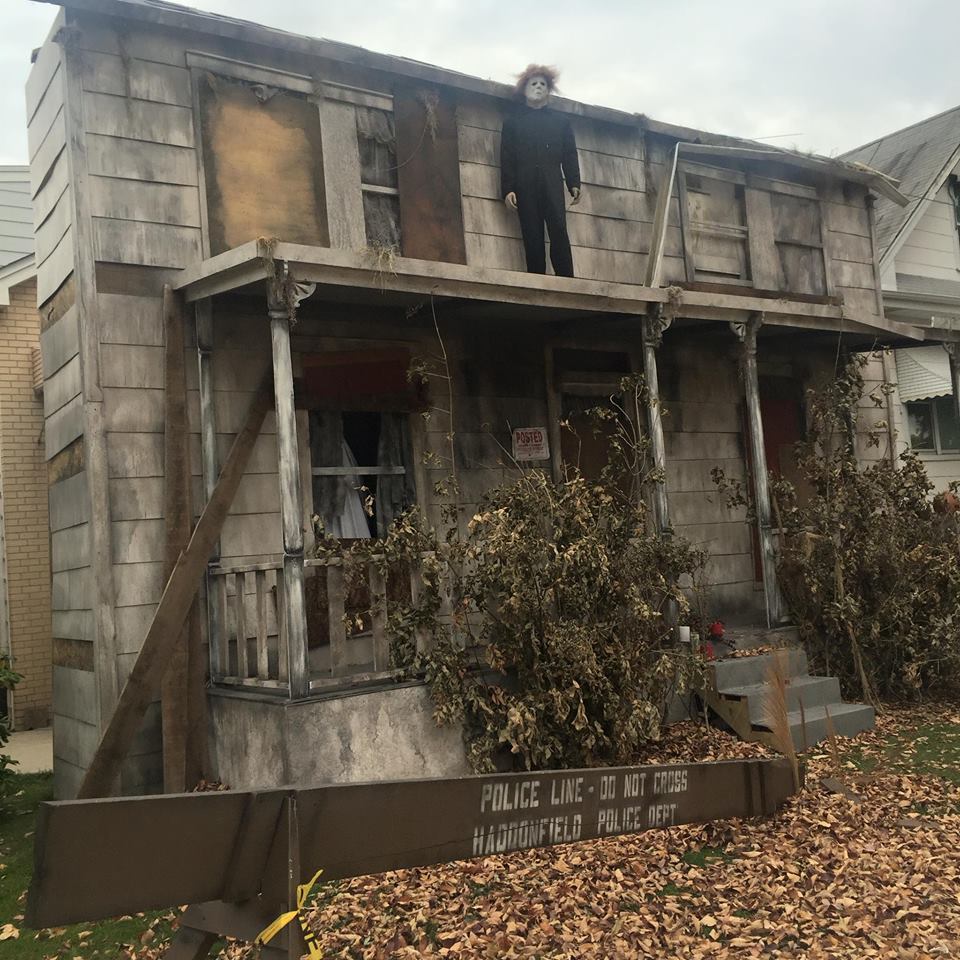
303	891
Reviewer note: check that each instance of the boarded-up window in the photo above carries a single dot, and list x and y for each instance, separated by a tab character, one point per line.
747	230
716	242
263	164
377	141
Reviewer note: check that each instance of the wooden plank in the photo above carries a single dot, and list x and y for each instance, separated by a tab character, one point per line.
60	342
130	366
135	321
137	79
341	171
378	617
429	175
178	517
240	623
263	655
842	218
147	244
70	548
61	387
68	502
660	222
151	202
63	427
171	613
263	165
338	632
764	263
51	104
42	73
353	830
48	169
141	161
600	169
131	410
138	120
55	269
51	231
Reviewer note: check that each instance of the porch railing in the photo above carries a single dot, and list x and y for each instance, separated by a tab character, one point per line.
249	641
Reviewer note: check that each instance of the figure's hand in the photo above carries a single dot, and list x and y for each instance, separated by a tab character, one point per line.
575	194
511	200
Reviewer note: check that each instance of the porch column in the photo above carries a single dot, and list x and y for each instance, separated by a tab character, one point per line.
953	354
203	318
654	325
747	335
282	299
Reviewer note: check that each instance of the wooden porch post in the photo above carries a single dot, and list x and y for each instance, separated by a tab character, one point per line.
747	335
283	295
654	325
953	354
203	318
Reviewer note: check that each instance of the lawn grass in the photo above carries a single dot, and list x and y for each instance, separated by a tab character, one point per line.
86	940
930	748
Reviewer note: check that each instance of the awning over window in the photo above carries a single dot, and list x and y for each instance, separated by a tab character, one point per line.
922	373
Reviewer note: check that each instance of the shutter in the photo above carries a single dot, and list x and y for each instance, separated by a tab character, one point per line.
428	158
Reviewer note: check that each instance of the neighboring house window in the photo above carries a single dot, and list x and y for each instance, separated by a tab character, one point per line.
377	139
934	427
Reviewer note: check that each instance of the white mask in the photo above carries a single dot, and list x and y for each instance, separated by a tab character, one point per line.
536	91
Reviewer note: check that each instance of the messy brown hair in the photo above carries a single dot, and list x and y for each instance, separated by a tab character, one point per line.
551	74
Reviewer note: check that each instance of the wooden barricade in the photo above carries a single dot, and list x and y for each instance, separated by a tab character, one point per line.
239	856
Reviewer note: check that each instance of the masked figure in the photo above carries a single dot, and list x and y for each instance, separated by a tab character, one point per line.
537	154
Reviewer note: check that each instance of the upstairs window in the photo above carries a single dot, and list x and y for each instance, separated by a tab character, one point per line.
379	183
744	230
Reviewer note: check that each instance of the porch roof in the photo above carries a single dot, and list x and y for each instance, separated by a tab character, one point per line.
369	279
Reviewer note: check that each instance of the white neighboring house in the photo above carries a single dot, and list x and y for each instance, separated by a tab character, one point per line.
919	248
16	229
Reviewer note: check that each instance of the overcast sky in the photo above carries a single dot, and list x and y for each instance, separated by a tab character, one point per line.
823	75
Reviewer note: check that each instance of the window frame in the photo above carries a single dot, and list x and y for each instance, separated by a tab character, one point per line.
938	449
758	234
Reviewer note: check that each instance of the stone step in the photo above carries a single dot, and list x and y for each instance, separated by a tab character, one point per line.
748	638
810	691
848	719
740	671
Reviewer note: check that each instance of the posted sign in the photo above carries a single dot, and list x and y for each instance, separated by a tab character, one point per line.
530	443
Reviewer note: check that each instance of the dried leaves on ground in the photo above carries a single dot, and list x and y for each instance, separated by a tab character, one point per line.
864	865
869	872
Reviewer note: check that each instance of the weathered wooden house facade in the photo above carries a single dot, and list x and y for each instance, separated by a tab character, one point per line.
317	212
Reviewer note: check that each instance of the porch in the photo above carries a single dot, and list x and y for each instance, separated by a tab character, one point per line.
277	620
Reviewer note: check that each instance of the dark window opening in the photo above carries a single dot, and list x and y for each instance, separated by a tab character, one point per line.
933	425
377	142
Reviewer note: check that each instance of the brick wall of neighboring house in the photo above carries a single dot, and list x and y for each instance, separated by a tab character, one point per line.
26	526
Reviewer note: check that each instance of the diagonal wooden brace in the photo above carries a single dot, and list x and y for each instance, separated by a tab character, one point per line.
169	617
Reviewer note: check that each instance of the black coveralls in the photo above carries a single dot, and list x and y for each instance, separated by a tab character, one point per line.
534	145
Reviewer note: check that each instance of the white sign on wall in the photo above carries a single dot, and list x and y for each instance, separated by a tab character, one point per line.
530	443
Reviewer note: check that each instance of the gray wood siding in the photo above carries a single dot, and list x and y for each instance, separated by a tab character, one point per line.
49	172
609	229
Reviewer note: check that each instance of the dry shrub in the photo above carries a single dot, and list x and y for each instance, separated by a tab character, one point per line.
870	570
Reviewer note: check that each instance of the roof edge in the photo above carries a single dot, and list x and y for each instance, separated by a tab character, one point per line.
173	15
13	273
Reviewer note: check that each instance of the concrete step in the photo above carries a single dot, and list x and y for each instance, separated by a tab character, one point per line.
748	638
810	691
849	719
741	671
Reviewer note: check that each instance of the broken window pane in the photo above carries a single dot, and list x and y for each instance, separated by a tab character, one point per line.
381	214
920	420
377	140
